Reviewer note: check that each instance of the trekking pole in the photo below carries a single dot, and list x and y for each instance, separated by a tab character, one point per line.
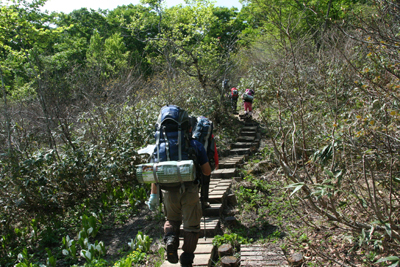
205	237
202	211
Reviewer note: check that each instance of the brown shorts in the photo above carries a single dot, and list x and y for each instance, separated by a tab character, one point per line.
183	207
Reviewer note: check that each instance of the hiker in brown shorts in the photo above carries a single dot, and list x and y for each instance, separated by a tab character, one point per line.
182	206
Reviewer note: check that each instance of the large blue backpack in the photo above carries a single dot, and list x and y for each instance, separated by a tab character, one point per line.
173	141
202	132
172	135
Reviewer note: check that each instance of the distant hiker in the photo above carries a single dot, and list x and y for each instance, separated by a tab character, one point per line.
225	83
181	198
248	97
203	132
234	95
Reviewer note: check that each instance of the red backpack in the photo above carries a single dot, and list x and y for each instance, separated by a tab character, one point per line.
234	93
250	92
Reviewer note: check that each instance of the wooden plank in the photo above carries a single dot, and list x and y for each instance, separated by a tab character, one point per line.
249	128
216	192
228	173
263	264
248	133
209	240
215	199
254	258
201	249
243	249
241	151
200	259
216	172
246	138
225	182
259	253
242	145
223	186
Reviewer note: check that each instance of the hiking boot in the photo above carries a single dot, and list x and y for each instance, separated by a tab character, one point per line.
172	248
187	259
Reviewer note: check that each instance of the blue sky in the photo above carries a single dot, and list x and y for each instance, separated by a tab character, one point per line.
67	6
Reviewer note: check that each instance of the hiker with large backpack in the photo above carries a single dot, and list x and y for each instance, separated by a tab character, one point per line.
234	95
203	132
248	97
175	146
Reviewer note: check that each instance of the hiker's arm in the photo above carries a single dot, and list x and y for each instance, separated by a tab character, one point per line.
154	200
154	189
206	169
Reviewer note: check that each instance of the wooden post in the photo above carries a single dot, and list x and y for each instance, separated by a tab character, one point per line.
229	261
232	199
296	259
225	250
230	221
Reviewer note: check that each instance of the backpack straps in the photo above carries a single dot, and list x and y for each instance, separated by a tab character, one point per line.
207	137
179	143
155	173
166	143
158	144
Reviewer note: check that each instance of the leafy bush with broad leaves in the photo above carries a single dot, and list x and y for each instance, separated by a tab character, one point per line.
103	152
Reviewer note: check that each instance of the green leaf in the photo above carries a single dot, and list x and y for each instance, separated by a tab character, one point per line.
297	187
390	258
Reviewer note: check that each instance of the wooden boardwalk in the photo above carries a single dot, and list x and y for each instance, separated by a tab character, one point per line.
221	181
253	255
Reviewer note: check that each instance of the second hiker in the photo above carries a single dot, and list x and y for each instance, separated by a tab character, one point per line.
203	132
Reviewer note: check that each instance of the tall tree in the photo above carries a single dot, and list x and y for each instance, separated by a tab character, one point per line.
28	41
301	17
190	40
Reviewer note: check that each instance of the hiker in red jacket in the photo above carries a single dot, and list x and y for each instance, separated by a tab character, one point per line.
248	97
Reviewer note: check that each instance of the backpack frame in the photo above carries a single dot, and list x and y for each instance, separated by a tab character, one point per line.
173	139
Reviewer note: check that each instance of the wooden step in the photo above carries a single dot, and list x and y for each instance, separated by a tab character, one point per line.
256	255
231	162
249	128
203	254
249	123
223	173
246	138
227	165
217	192
214	211
242	145
248	133
210	228
240	151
